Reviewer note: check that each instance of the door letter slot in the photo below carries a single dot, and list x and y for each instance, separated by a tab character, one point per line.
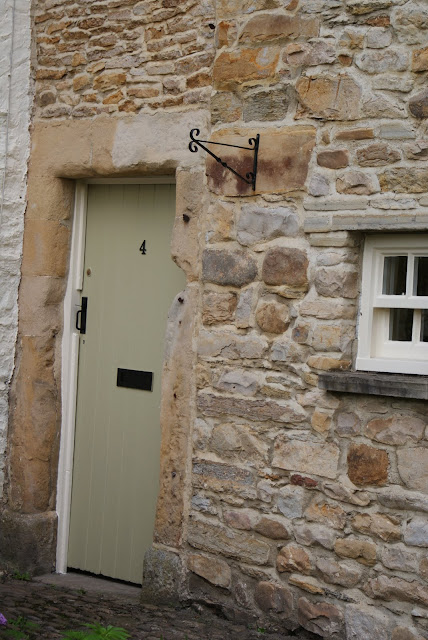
135	379
81	316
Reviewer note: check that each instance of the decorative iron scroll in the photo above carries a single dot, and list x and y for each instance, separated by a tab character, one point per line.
250	177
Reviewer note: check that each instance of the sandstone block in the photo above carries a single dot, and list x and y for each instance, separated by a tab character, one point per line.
272	317
389	588
377	155
325	363
221	217
364	622
283	265
420	59
234	68
395	430
321	422
327	310
355	134
239	381
218	307
327	514
266	105
357	182
377	524
237	442
346	491
273	527
332	338
309	54
321	618
383	61
292	558
416	533
232	346
46	248
337	283
225	107
378	106
413	467
260	224
379	38
318	186
283	161
270	597
108	81
404	179
367	466
396	497
333	159
214	570
315	534
338	573
250	409
292	501
329	97
311	585
359	550
223	477
306	456
418	105
228	268
417	150
270	27
217	539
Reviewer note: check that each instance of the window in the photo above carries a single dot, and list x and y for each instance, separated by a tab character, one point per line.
393	329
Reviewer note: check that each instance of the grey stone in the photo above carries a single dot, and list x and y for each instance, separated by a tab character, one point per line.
214	570
259	224
161	577
315	534
244	308
348	424
396	497
393	83
232	346
239	381
382	61
379	38
366	623
270	104
339	573
238	442
393	204
318	185
418	105
337	283
342	204
203	504
397	429
217	476
228	268
381	107
346	491
309	54
292	501
416	532
399	557
251	409
418	150
271	597
396	131
413	467
296	455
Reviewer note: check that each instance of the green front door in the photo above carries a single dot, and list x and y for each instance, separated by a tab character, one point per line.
130	282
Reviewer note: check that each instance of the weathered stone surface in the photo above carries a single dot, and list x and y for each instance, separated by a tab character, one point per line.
223	477
237	442
327	337
318	186
292	501
417	150
273	527
306	456
216	539
309	54
327	310
161	576
348	424
239	381
420	59
405	180
270	27
361	7
378	106
379	38
377	524
225	107
346	491
367	466
418	105
218	307
364	622
413	467
266	105
389	588
359	550
246	301
355	134
382	61
292	558
212	569
28	541
315	534
283	160
357	182
399	557
241	519
230	345
320	618
333	159
377	155
272	317
325	363
311	585
260	224
286	266
321	422
396	497
271	597
338	573
233	68
252	409
395	430
327	514
404	633
228	268
328	97
416	532
337	283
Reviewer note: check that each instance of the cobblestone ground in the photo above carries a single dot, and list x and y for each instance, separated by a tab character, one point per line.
56	609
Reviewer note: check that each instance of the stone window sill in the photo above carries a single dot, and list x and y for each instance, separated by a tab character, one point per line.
378	384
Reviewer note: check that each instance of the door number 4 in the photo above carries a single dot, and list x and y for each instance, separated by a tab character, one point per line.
143	248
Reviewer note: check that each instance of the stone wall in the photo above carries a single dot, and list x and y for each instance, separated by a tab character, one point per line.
15	104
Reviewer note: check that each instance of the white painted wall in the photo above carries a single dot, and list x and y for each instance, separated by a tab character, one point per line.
15	106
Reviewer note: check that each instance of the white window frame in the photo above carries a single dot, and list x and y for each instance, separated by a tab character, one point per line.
375	351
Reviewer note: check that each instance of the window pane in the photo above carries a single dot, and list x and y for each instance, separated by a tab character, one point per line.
394	275
401	324
421	276
424	326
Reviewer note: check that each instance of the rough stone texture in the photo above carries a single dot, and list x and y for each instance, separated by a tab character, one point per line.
227	268
207	537
215	571
293	558
161	576
272	598
218	307
306	456
367	466
333	159
395	430
364	623
272	317
413	467
328	97
378	525
285	266
259	224
321	618
359	550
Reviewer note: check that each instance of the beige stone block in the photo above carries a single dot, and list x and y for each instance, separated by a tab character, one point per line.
272	317
275	27
46	246
49	198
218	307
321	618
242	65
185	243
321	422
306	457
326	513
211	569
293	558
377	524
326	363
41	305
328	97
360	550
397	429
413	467
311	585
391	588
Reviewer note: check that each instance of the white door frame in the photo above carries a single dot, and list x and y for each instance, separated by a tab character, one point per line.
70	355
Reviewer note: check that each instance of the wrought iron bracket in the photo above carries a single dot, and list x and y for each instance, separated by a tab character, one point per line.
250	177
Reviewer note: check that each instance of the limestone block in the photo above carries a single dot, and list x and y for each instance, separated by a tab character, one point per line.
249	408
273	527
242	519
271	27
332	337
383	61
379	38
218	307
270	597
319	185
365	623
217	539
241	381
360	550
225	107
292	501
232	346
416	533
396	497
283	160
328	97
325	363
260	224
244	309
345	575
396	131
413	467
327	310
377	155
327	514
306	456
405	180
337	283
232	8
381	107
390	588
272	317
377	524
397	429
417	150
315	534
348	424
321	618
391	82
399	557
367	465
214	570
346	491
293	558
361	7
224	267
357	182
233	68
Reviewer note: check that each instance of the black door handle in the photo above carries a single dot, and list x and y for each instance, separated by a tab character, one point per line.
81	316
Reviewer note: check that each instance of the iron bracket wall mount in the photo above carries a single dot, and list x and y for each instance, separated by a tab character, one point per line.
250	177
